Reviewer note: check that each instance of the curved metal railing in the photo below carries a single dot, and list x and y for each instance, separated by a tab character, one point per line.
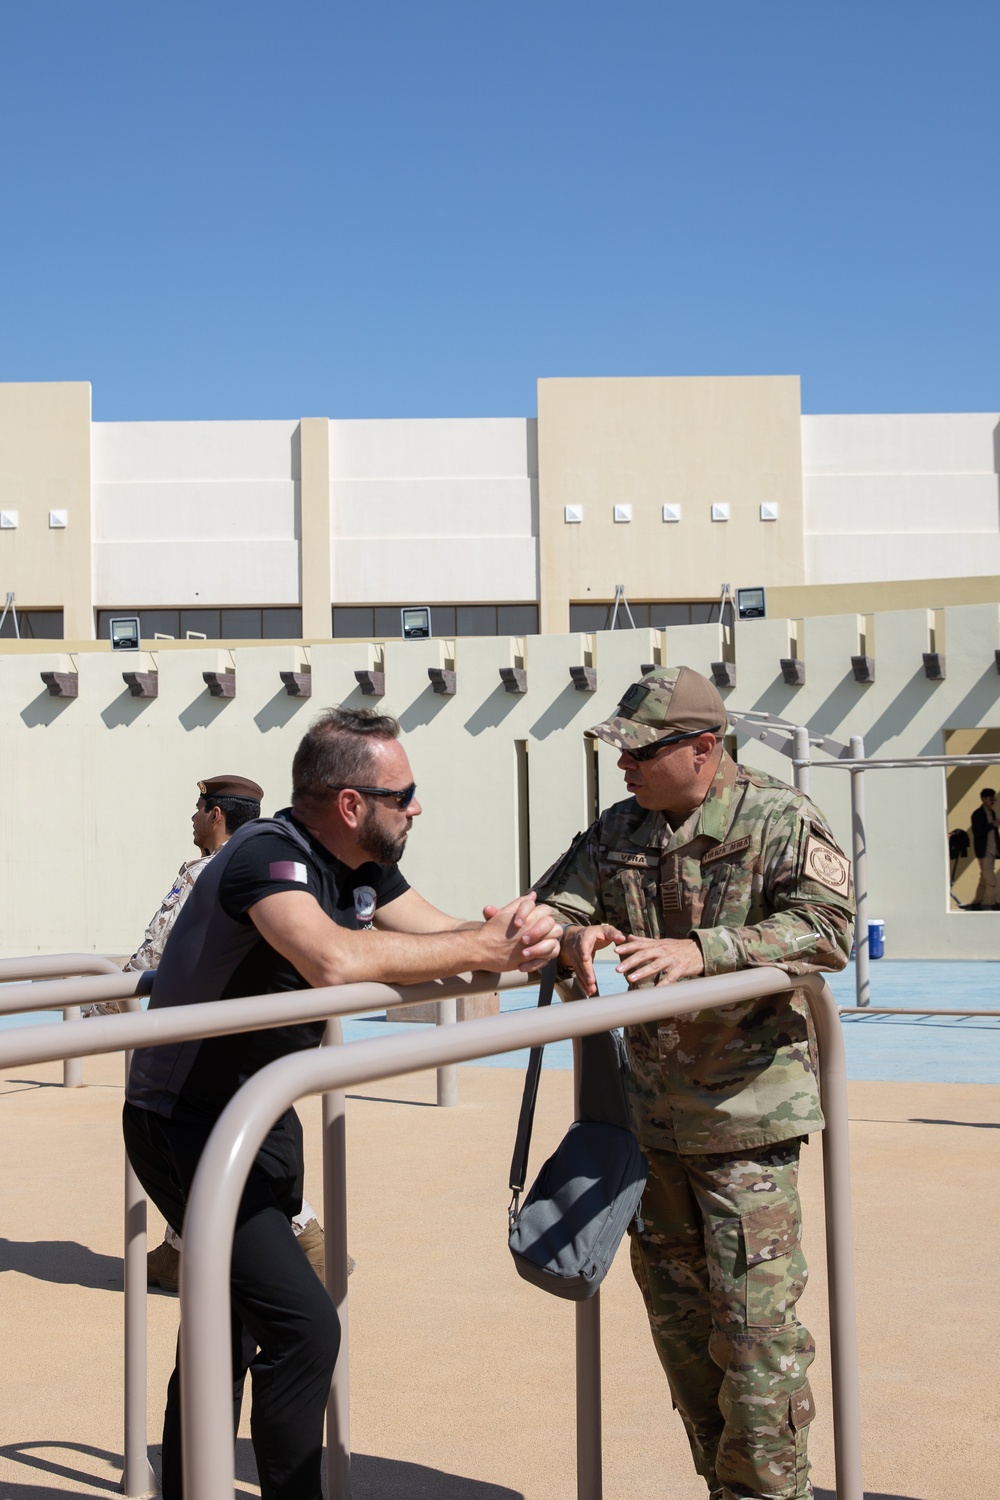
206	1372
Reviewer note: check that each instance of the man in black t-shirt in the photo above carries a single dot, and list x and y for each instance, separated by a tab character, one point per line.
310	897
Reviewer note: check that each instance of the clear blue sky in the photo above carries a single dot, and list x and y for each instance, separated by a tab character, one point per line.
396	208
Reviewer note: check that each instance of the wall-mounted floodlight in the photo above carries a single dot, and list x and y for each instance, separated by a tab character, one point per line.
415	623
750	604
125	633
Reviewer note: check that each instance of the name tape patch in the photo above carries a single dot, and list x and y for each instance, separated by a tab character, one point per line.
288	869
636	861
723	851
828	867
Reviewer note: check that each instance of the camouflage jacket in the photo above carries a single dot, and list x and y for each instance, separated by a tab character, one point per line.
755	877
150	950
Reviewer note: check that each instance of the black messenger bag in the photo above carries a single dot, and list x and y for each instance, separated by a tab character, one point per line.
563	1237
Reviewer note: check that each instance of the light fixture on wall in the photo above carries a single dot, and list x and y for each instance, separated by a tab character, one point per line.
124	632
415	622
58	520
769	510
572	514
751	604
623	514
8	520
720	512
671	512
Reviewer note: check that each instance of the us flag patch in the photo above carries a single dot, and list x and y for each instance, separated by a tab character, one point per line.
288	869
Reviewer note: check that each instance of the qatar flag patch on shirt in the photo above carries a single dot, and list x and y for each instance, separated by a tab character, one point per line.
288	869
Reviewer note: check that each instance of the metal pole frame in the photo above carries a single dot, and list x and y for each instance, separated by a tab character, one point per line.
58	966
859	852
102	1034
138	1480
801	759
226	1161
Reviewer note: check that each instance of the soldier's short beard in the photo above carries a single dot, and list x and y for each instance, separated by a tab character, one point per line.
377	842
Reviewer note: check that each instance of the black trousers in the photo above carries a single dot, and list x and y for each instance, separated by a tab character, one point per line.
285	1328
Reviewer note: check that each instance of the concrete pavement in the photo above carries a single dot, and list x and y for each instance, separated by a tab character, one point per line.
462	1375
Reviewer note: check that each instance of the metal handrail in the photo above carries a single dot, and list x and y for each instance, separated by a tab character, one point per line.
185	1023
102	1034
55	966
226	1161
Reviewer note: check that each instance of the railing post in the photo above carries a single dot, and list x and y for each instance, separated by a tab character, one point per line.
801	759
589	1445
859	850
338	1410
839	1242
447	1078
228	1157
138	1479
72	1066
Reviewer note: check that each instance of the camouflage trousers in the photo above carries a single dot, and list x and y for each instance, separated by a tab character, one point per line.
718	1259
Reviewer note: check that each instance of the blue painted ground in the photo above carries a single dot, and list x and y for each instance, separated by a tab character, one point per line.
916	1049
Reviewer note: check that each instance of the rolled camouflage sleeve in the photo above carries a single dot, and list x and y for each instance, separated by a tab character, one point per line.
809	925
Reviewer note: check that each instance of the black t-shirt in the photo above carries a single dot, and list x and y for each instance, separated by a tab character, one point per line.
262	866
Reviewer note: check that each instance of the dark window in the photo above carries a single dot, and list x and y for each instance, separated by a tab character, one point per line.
588	616
517	619
662	616
388	622
353	621
281	624
204	621
658	615
240	624
382	621
33	624
159	622
476	619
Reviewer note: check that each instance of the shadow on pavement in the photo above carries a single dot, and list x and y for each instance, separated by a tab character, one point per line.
869	1495
64	1262
394	1479
969	1124
30	1455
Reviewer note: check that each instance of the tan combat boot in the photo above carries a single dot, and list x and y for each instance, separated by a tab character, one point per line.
313	1246
163	1267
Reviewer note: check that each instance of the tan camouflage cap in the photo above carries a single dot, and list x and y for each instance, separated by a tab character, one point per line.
671	700
231	786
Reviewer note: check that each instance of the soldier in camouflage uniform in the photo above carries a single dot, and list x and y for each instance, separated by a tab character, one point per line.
709	867
225	803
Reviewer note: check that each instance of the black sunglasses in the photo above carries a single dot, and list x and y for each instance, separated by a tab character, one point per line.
648	752
404	797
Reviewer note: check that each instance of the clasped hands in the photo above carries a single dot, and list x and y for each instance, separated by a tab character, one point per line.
640	958
520	935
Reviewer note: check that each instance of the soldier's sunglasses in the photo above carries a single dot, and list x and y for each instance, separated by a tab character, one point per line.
649	752
404	796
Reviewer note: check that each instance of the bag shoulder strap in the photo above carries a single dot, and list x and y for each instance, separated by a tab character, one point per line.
519	1160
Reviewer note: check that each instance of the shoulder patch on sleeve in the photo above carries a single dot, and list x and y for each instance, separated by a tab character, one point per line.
827	866
288	869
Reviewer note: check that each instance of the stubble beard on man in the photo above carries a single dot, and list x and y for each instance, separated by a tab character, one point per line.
377	842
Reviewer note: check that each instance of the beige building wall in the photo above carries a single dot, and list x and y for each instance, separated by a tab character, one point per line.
691	443
45	467
315	563
108	780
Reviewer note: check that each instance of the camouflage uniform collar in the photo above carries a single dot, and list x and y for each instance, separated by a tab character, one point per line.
712	818
717	808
